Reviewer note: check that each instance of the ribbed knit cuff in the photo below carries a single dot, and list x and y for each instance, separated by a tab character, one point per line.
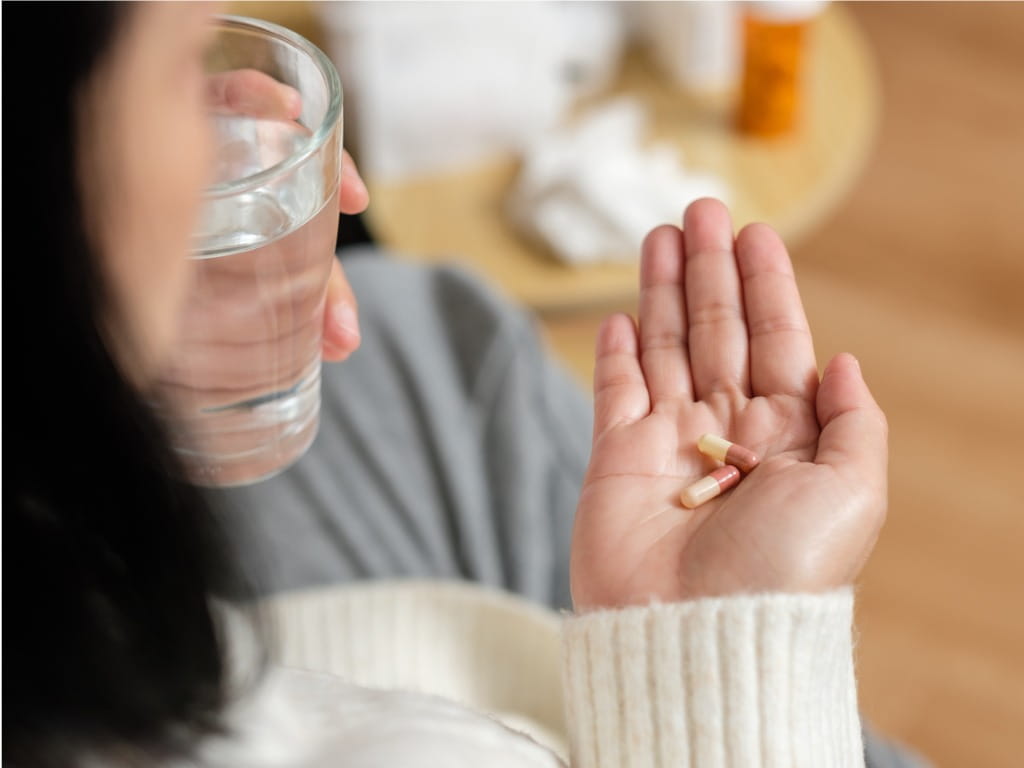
744	681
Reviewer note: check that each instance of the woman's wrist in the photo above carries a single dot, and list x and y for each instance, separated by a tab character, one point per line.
738	680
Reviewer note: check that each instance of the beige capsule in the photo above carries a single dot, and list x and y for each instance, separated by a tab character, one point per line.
708	487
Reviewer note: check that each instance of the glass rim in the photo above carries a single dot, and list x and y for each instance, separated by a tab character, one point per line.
327	125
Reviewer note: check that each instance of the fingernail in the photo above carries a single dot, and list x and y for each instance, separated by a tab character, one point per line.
343	320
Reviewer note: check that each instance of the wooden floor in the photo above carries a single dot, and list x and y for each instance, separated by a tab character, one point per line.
920	273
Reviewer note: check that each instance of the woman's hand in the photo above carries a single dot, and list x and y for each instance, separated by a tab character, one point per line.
255	94
723	346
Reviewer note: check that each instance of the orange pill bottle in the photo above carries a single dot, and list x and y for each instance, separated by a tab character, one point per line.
775	40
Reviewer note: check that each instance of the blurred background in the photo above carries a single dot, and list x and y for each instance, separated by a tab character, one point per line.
534	143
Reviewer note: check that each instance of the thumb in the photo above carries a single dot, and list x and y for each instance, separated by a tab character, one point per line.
854	432
252	93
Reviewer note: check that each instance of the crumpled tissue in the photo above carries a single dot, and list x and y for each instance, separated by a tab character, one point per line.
591	192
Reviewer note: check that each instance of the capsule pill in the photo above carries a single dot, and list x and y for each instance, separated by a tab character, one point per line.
730	453
711	485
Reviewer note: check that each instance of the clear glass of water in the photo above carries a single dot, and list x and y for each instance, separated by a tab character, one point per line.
244	386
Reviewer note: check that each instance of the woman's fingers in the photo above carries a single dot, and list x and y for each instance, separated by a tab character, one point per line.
252	93
717	331
341	324
854	433
341	318
663	353
620	392
353	197
781	351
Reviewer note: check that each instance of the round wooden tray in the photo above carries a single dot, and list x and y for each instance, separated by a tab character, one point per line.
790	183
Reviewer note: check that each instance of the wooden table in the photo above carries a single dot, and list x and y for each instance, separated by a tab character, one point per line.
791	183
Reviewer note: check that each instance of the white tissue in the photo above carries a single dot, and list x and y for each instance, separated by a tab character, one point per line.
432	88
590	193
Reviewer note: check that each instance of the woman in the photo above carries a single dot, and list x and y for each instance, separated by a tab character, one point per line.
719	636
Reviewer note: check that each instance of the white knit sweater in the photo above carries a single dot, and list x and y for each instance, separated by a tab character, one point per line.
440	674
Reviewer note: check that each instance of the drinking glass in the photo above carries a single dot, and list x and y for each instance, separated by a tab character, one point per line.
244	385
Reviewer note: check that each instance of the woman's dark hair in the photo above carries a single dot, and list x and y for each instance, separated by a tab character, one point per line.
108	555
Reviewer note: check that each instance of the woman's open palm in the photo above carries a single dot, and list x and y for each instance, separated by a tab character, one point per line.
723	346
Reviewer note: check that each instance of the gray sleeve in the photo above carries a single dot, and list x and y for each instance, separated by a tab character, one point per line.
451	445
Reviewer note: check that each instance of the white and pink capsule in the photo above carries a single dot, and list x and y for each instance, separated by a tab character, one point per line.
711	485
728	453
